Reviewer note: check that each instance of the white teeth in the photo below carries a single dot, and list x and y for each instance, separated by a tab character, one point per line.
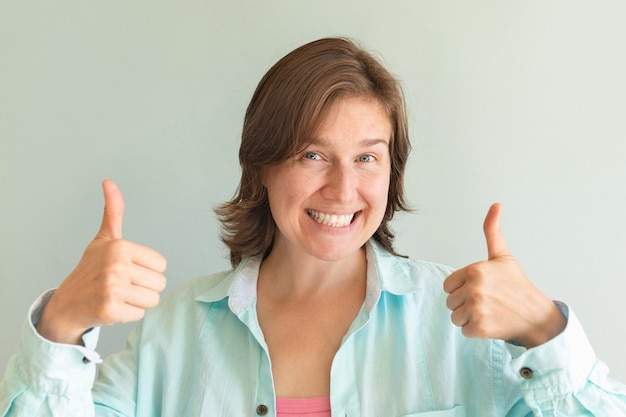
332	220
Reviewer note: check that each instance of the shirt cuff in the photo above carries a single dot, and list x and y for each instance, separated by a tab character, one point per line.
89	338
560	366
56	368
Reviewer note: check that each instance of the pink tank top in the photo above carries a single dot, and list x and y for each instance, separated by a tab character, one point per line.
307	407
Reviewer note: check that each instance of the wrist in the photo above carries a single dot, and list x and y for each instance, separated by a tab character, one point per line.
50	327
550	323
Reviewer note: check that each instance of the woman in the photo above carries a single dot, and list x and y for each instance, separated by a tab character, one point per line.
319	313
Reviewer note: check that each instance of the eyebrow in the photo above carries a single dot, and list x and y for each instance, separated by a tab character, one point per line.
366	143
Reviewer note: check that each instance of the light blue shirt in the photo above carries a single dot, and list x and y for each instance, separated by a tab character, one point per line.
201	352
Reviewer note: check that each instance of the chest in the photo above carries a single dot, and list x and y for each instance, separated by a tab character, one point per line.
396	360
303	339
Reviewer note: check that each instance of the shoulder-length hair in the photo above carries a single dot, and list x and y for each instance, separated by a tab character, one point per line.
285	110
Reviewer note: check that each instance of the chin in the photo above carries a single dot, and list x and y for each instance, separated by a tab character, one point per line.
334	253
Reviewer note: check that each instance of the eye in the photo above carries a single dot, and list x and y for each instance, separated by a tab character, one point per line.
312	156
366	158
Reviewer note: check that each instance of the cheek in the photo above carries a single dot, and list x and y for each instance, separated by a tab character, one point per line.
378	191
285	189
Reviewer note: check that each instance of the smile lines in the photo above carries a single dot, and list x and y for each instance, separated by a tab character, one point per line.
332	220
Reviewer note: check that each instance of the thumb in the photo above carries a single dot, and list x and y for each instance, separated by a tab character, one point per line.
111	227
496	246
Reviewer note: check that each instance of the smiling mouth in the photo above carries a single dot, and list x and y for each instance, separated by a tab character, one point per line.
332	220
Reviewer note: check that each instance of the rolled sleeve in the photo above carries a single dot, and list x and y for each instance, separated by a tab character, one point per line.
47	375
559	367
565	374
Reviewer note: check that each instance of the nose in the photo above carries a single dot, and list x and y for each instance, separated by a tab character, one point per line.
341	184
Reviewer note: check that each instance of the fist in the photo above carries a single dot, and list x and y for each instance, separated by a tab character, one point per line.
114	282
494	298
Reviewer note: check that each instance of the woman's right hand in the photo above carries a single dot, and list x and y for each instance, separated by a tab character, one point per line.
114	282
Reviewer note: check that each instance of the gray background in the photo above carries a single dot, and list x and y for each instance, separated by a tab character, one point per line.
522	102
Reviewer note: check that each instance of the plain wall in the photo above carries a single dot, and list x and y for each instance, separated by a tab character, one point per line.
518	102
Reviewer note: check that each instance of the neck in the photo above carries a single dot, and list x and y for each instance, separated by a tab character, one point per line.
305	276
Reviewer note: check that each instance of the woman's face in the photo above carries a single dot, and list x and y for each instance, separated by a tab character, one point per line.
330	198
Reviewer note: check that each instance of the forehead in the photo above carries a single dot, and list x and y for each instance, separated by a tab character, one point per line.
361	117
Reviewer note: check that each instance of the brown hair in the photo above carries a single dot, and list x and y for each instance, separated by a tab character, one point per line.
285	110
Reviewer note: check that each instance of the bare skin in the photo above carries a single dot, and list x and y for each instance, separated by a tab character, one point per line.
312	284
494	298
114	282
327	202
303	326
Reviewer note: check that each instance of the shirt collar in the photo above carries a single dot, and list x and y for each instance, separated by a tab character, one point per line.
392	272
385	272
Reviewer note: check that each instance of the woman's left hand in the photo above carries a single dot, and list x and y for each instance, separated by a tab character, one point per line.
494	298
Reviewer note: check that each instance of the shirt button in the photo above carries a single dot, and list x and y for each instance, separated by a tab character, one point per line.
86	360
526	373
261	410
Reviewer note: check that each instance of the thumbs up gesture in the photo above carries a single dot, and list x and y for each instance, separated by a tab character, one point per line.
114	282
494	298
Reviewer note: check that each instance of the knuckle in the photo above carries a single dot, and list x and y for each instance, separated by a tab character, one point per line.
106	304
476	296
118	249
482	332
475	271
105	296
478	310
110	274
481	326
105	314
113	274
